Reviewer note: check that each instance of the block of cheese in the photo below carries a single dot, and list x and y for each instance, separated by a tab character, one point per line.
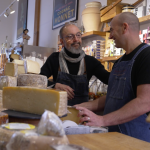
35	100
32	80
20	63
15	56
32	67
11	69
6	81
72	115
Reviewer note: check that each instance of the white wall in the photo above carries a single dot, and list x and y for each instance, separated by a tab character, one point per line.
49	37
8	26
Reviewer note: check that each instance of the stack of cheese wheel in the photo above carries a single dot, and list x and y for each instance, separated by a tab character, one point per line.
25	90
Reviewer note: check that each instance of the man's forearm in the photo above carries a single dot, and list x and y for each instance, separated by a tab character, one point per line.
130	111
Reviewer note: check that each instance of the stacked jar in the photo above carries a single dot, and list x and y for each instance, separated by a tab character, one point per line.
99	47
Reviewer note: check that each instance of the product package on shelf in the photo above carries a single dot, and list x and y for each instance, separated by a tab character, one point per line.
99	47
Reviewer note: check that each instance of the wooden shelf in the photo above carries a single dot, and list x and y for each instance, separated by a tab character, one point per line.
144	19
111	58
101	60
141	20
88	34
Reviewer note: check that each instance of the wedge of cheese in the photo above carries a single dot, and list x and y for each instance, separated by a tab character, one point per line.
11	69
20	63
72	115
35	100
32	80
32	67
6	81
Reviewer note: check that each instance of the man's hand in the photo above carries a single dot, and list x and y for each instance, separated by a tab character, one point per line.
89	118
66	88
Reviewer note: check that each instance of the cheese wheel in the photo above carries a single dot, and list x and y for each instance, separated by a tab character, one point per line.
6	81
35	100
32	80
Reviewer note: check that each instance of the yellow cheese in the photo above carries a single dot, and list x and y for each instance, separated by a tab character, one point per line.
6	81
32	80
11	69
20	63
72	115
32	67
15	56
35	100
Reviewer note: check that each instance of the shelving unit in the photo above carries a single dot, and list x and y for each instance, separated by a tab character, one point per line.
92	33
111	58
141	20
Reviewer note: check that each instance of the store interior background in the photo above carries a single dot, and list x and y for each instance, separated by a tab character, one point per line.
47	36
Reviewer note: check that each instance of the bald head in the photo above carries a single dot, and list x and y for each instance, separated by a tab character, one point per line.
130	19
63	28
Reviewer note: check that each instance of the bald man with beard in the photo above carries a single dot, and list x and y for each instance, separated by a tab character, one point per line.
128	97
72	68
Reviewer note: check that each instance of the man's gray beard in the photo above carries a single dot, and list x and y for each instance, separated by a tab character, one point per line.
74	50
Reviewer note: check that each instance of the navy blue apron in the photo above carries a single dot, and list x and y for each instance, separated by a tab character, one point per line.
77	82
119	93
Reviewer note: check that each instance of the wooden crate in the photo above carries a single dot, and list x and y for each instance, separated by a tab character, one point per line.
111	13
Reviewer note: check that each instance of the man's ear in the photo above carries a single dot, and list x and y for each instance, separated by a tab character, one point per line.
125	28
62	42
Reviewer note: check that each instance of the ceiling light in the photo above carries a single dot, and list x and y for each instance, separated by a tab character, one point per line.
6	14
18	0
11	11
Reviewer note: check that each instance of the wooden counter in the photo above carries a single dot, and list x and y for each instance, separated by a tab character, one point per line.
108	141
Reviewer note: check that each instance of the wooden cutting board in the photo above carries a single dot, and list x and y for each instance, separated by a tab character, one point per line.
108	141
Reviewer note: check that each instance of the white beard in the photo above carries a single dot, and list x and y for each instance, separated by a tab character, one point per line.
74	50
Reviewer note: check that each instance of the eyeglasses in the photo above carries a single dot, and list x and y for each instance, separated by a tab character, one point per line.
72	36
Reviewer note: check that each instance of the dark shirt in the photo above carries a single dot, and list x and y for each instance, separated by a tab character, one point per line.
140	73
93	67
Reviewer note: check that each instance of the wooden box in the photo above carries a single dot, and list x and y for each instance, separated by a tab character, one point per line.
111	13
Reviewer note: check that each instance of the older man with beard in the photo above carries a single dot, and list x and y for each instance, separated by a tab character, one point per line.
72	68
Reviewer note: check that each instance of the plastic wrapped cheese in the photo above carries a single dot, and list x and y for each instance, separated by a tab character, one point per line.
50	125
5	136
33	141
32	80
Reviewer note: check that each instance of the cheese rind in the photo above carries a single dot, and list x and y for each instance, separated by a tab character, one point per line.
32	67
35	100
32	80
6	81
11	69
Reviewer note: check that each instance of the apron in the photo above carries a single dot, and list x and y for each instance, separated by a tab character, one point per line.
77	82
119	93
